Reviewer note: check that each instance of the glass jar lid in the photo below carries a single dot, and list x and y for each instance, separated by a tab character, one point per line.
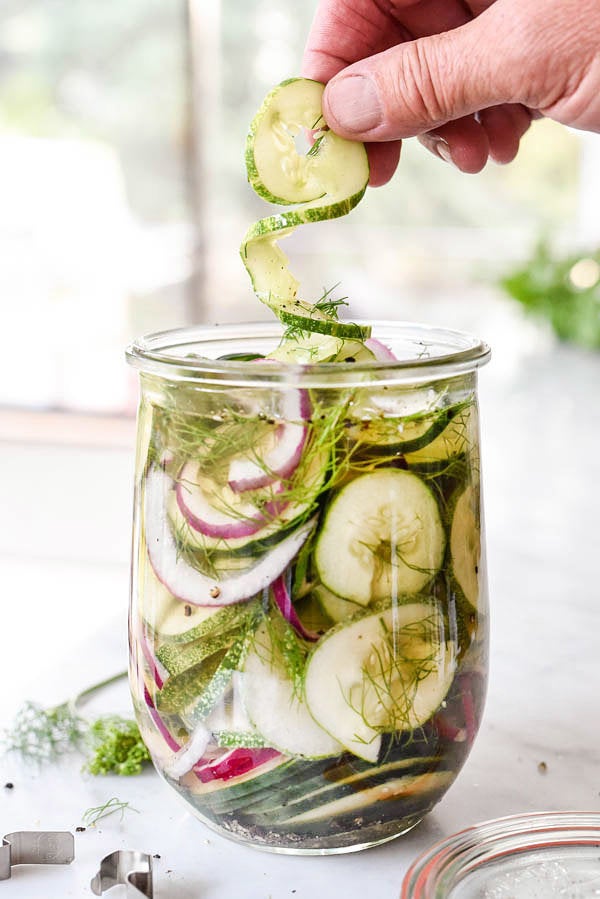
550	855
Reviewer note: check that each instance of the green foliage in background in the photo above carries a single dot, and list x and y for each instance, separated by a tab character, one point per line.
565	290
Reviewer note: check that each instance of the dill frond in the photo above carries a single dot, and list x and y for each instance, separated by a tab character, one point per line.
92	815
116	747
396	665
282	649
328	305
43	735
40	735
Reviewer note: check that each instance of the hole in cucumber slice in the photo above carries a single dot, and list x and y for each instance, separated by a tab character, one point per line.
304	141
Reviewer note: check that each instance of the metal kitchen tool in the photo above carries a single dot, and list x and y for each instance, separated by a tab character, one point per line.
125	866
35	847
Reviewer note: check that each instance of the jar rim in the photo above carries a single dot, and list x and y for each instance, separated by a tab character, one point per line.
429	351
492	844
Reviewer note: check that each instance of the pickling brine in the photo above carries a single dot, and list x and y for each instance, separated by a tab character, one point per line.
309	612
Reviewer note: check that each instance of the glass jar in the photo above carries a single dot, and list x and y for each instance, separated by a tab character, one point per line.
309	621
540	855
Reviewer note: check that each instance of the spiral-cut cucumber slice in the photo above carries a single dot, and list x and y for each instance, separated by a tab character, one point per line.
327	182
317	348
382	537
385	672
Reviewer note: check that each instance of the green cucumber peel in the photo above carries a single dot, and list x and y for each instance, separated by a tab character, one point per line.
381	436
197	689
231	739
177	658
223	620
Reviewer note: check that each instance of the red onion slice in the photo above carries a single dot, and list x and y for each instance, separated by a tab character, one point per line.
158	672
286	607
190	585
280	460
381	352
159	723
234	763
202	516
190	753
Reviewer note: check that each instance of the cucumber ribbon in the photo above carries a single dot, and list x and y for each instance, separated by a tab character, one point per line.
326	183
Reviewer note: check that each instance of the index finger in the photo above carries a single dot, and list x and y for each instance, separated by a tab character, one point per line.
344	31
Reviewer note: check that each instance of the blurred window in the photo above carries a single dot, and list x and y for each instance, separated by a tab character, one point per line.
96	223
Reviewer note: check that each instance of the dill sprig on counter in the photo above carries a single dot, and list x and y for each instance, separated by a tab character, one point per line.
41	735
116	747
92	815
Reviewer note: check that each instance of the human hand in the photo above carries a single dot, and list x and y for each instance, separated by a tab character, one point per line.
465	75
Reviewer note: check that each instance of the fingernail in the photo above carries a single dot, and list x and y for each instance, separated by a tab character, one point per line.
441	148
354	103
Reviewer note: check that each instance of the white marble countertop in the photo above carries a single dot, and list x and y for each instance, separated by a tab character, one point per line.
64	618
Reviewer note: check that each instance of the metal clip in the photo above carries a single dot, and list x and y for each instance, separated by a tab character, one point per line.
35	847
125	866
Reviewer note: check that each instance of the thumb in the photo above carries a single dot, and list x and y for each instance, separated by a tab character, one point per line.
419	85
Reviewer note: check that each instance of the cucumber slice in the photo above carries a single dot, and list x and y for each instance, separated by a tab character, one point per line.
354	351
336	608
229	722
465	544
349	776
181	692
197	690
276	171
387	671
313	348
413	436
300	315
213	620
328	181
382	537
168	617
232	739
317	348
457	436
398	788
221	795
272	703
178	657
227	624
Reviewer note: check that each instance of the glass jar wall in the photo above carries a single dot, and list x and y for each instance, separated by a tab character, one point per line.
308	622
